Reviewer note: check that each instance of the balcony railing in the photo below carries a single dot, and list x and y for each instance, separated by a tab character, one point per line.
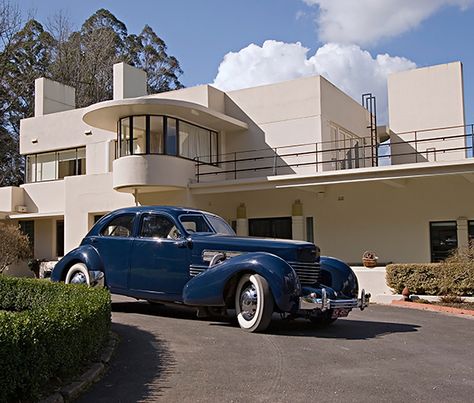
440	144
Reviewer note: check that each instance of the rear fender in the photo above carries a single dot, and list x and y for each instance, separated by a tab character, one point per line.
210	287
86	254
339	276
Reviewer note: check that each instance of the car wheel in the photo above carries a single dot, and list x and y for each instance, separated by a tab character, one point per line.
253	303
78	274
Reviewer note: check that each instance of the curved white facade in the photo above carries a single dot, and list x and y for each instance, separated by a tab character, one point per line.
155	172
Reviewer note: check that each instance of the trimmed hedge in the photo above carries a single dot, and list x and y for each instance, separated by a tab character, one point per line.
47	331
432	278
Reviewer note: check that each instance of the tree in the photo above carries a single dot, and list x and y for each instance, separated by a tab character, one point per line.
14	246
82	59
148	52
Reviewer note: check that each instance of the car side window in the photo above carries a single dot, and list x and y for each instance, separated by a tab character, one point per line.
120	226
158	226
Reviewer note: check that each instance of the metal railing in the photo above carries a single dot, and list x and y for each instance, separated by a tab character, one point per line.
439	144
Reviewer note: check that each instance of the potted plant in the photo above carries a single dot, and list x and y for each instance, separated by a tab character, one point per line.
369	259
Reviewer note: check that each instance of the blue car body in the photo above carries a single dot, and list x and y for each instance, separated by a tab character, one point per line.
198	261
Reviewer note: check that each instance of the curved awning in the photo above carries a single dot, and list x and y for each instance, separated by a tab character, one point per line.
105	115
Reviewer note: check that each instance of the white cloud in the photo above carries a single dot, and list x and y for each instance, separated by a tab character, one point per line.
365	22
349	67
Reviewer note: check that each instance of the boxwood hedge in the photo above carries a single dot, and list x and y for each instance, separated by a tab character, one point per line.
432	278
47	331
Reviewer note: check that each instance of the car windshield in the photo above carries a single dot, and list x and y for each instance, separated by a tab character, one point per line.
220	226
196	223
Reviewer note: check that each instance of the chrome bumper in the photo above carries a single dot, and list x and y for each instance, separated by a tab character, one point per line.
311	301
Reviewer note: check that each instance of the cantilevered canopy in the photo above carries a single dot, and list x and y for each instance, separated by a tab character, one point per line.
105	115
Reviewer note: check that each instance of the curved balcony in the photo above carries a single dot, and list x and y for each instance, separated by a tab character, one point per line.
151	173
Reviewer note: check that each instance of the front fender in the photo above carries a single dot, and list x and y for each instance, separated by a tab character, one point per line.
208	288
339	276
86	254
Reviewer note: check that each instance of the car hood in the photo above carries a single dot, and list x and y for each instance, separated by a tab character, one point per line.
289	250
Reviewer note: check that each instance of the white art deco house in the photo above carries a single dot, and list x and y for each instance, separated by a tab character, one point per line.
298	159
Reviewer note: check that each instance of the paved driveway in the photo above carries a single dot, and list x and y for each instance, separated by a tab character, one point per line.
381	354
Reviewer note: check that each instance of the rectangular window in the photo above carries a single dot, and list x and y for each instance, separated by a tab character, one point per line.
196	142
214	148
443	239
279	227
28	228
156	134
139	135
55	165
124	137
60	238
171	137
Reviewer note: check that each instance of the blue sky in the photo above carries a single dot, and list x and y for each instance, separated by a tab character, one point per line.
201	32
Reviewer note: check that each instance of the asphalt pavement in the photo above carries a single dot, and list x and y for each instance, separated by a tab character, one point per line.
380	354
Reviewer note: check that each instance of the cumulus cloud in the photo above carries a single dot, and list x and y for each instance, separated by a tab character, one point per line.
365	22
353	70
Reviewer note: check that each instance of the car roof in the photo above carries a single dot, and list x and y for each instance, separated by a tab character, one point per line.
173	210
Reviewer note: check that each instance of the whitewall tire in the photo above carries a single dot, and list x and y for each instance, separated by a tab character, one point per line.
78	274
253	303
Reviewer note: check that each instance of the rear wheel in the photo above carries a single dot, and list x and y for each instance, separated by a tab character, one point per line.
78	274
253	303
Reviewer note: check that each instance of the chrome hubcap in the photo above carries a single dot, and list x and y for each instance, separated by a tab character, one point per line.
78	278
248	302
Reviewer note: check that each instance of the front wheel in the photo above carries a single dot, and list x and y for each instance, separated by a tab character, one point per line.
78	274
253	303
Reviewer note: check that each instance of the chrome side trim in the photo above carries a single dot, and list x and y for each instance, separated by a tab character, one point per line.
208	255
195	270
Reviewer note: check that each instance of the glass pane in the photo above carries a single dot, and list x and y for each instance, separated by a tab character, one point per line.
66	163
194	223
30	168
124	137
156	226
187	140
444	239
139	135
81	161
171	137
214	148
120	226
204	145
156	134
45	167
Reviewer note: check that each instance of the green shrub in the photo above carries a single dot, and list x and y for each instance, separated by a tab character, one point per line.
47	330
432	278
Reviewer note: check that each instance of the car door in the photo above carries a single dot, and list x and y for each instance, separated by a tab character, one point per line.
114	244
160	256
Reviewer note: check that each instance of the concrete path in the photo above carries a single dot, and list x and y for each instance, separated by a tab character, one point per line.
381	354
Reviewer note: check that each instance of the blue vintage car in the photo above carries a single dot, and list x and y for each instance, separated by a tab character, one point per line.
180	255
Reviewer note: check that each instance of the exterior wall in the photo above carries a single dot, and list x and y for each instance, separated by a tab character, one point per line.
44	197
423	99
10	198
85	196
352	218
51	97
59	131
129	82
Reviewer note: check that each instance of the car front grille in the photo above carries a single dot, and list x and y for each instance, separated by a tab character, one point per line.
308	273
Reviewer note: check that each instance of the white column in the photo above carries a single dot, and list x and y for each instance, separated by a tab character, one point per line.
242	227
297	221
297	227
242	221
463	238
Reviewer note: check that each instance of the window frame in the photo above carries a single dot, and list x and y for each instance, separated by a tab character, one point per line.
132	231
214	155
431	236
162	214
34	174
